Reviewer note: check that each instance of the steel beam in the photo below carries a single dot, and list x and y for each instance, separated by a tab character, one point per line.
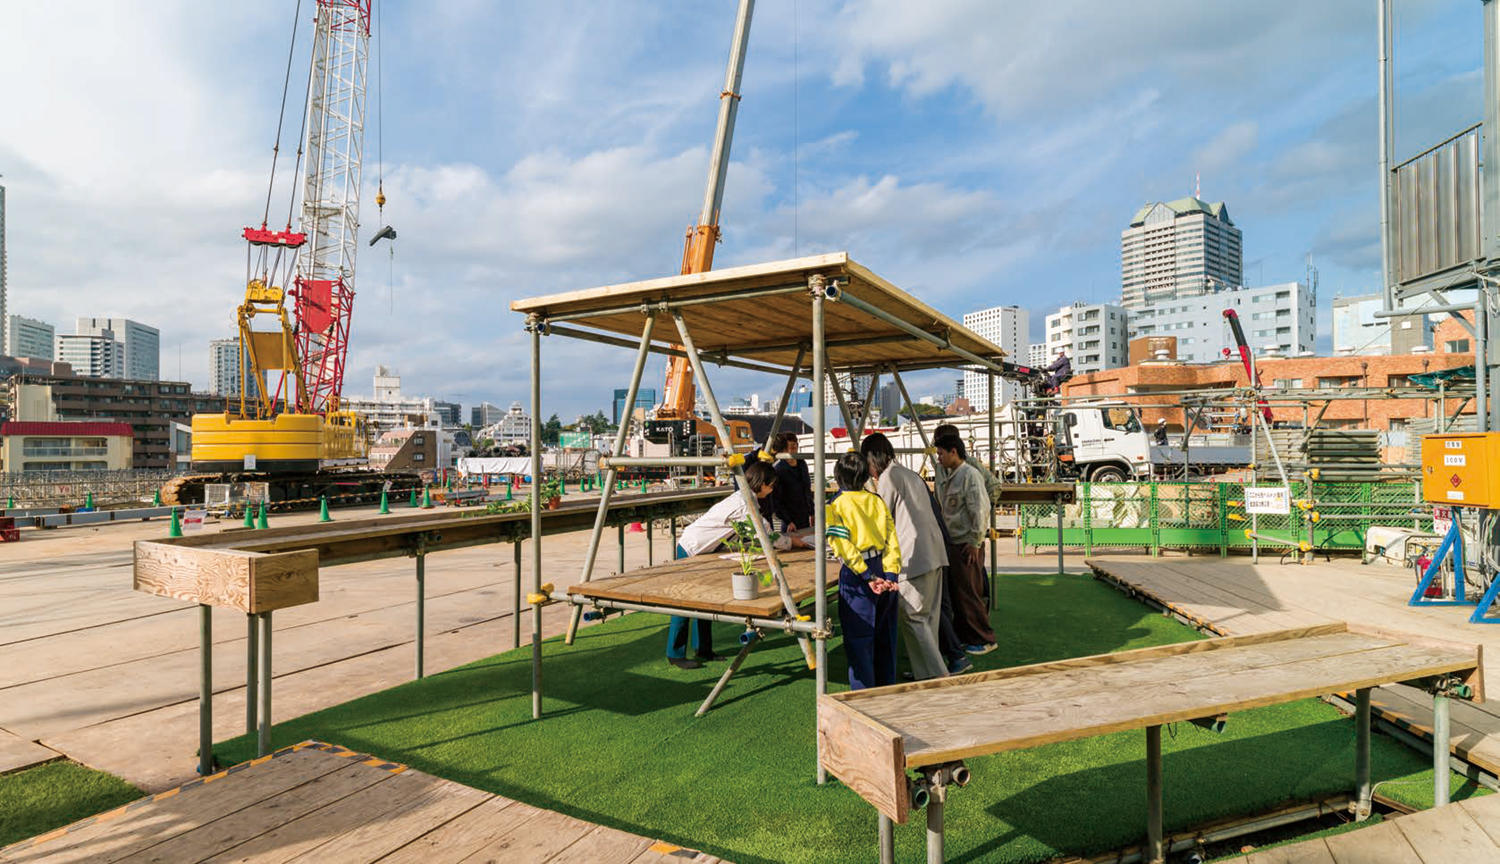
536	517
817	289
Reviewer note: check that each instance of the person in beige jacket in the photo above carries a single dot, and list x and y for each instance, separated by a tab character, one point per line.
923	555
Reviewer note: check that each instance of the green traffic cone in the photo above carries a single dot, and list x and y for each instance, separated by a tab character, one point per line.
176	530
510	491
88	501
323	510
562	486
249	516
156	498
385	503
414	501
10	503
426	499
261	523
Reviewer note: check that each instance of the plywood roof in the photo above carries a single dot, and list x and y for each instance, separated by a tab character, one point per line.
769	328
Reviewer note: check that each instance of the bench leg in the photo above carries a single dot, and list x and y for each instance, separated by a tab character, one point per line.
887	840
515	606
1440	738
1362	788
935	824
1155	854
263	731
205	690
252	679
750	637
421	608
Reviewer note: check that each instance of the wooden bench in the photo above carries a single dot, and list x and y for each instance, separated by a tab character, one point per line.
699	587
871	739
1464	831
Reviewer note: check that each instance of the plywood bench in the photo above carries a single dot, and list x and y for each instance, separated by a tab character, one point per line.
1464	831
871	739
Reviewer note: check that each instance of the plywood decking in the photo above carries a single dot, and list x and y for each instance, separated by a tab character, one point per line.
317	802
1234	597
771	329
1458	833
702	584
950	719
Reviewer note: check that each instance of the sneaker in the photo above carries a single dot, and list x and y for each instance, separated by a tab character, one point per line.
960	666
977	650
710	658
684	663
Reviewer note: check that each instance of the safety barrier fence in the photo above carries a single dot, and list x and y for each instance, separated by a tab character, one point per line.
1206	516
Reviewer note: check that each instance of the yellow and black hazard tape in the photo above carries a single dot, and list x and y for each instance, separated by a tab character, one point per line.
110	815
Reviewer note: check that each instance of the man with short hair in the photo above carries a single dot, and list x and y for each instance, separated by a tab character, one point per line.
924	555
966	507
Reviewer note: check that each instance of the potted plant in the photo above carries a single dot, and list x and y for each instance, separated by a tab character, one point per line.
552	493
749	579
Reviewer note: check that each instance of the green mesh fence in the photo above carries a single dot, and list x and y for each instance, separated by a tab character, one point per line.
1211	516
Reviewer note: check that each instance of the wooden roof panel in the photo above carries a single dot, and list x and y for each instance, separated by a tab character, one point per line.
769	328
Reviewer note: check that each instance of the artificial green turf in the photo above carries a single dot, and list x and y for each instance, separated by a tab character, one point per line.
50	796
619	744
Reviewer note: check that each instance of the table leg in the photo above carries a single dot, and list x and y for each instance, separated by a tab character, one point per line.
1059	535
673	522
749	638
1362	788
421	608
515	607
621	533
935	824
1440	738
650	552
887	840
1155	854
252	680
263	731
205	690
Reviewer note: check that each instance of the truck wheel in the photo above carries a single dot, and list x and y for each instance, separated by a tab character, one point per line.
1108	474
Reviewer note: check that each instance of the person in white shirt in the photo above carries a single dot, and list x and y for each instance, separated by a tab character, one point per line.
707	534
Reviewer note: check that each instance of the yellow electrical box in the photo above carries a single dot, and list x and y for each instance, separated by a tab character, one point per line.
1459	469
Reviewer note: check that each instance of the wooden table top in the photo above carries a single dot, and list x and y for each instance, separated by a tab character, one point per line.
701	583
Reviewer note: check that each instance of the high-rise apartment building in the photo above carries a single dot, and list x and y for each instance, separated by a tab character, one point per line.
97	355
28	337
142	345
5	347
1036	354
1093	335
1277	319
1356	330
1010	328
224	360
1178	249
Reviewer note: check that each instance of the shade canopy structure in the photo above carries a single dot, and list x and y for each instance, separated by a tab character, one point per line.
759	314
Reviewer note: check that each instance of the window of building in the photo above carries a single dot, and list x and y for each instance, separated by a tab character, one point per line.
1289	383
1457	346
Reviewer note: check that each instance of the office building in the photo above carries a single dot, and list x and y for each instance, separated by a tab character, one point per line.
1356	330
451	414
224	369
1010	328
28	337
93	356
6	349
484	414
644	399
151	408
142	345
1093	335
389	409
1178	249
59	446
1277	319
1036	354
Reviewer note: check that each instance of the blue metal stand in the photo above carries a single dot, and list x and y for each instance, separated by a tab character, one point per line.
1453	542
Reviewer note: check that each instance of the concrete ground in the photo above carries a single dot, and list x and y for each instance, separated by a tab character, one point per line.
94	671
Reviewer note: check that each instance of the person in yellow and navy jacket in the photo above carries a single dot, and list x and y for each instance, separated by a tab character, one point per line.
862	533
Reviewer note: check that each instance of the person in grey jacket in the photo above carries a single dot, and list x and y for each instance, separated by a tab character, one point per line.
966	508
923	554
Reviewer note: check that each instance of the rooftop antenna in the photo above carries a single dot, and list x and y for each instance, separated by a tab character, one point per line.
1196	188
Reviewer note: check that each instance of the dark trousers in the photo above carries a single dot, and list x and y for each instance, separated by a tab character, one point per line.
868	622
948	641
677	633
971	611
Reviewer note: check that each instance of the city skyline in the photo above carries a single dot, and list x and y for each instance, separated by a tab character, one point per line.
965	170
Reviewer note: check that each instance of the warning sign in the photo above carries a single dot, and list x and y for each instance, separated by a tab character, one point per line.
1273	500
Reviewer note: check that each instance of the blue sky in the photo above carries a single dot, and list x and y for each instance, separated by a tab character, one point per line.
975	153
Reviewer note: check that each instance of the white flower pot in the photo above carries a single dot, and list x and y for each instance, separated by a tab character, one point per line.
746	586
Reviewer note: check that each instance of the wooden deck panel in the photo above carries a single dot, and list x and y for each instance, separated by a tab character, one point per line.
316	802
950	719
701	583
1464	832
1196	588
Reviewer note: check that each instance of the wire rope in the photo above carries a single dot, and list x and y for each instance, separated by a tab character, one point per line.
286	82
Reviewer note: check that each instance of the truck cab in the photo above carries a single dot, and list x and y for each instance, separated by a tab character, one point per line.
1106	442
